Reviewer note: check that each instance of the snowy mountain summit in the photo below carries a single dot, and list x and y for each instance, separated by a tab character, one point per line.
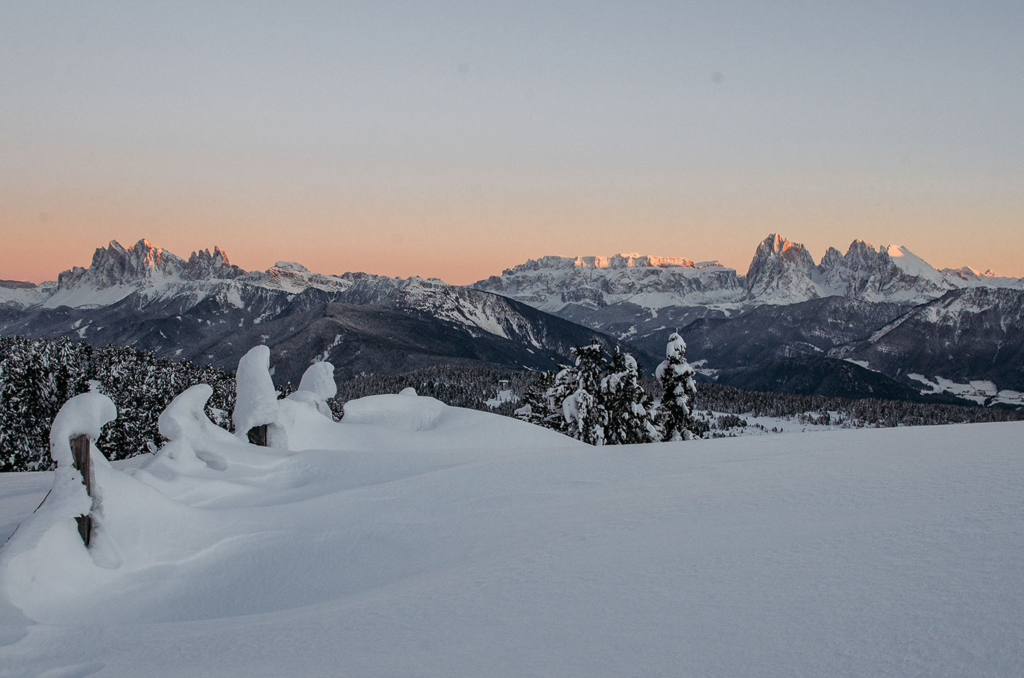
116	265
210	311
780	272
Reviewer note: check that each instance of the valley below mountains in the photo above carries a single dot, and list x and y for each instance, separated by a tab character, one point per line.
868	323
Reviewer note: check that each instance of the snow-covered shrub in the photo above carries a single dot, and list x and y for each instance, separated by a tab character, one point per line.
317	387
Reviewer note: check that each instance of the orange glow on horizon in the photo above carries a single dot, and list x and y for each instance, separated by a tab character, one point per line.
462	242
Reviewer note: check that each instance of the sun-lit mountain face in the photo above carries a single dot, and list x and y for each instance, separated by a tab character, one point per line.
635	260
781	271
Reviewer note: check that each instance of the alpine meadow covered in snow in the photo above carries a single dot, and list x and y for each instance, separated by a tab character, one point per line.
415	538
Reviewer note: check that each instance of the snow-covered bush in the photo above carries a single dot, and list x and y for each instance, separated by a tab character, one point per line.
316	388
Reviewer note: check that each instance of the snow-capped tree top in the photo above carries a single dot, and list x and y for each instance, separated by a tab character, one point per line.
676	346
185	418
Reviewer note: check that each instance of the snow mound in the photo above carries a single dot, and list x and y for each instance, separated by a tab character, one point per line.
403	412
318	379
814	554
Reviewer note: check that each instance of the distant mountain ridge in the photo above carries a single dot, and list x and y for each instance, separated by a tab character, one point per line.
780	272
207	310
884	309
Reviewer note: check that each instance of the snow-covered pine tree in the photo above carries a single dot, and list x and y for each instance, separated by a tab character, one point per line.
583	408
625	405
36	378
679	389
598	401
537	408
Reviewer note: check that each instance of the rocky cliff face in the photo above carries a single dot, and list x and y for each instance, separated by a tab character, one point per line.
781	272
116	265
553	283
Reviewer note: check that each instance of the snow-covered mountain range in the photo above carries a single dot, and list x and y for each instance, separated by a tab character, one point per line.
208	310
781	272
787	306
884	308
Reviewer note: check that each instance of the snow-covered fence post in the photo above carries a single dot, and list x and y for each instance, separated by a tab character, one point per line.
79	422
256	410
83	462
257	435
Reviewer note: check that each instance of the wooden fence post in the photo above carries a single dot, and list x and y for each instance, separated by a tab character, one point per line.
257	435
83	462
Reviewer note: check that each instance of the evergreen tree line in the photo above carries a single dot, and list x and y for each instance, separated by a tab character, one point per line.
601	400
866	412
38	376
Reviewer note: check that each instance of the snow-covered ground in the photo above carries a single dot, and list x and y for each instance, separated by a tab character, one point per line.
980	391
423	540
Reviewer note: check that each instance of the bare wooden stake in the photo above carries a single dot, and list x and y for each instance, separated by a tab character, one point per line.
83	462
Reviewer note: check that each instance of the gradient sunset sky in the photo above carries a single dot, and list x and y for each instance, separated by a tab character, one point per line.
457	139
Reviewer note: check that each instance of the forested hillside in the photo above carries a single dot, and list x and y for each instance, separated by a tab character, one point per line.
38	376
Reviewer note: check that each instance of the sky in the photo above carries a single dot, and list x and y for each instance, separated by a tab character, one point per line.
453	140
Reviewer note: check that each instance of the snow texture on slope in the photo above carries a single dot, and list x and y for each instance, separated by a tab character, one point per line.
484	546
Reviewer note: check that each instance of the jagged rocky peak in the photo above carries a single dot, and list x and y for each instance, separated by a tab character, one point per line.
616	261
860	254
966	273
777	248
291	266
631	260
781	270
203	265
117	265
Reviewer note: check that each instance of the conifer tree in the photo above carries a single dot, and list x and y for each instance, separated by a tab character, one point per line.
625	405
583	408
675	412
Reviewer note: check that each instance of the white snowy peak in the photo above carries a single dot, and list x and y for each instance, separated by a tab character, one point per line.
890	273
969	277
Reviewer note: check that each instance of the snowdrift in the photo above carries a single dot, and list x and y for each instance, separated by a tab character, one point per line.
414	538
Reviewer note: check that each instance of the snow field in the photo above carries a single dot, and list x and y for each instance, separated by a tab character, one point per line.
443	542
